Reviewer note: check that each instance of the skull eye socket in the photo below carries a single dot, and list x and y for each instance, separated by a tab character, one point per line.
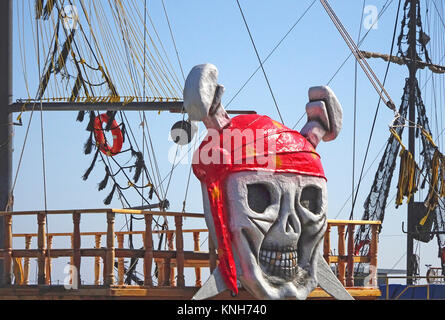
258	197
311	199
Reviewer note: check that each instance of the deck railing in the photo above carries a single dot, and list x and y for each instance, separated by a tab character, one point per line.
347	257
170	263
44	253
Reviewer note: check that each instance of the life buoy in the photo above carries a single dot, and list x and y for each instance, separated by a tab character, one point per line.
118	139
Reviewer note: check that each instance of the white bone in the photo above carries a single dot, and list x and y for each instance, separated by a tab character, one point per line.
202	97
313	131
325	116
317	111
318	122
333	107
212	287
329	282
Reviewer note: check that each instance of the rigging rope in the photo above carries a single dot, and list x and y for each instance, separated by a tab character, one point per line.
261	63
359	57
351	216
377	110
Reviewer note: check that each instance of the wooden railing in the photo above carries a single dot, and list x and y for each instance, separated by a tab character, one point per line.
44	252
346	257
170	263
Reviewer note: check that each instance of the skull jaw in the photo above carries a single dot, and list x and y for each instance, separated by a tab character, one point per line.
264	286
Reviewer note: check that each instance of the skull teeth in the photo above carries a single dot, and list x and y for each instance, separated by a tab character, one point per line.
281	264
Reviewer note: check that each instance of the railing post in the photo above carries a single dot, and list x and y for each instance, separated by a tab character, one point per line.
148	244
97	262
179	251
373	255
161	272
76	246
327	245
350	279
48	261
26	262
7	258
41	244
120	261
341	255
197	248
109	274
72	256
168	270
212	254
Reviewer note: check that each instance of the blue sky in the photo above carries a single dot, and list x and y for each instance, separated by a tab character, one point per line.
213	31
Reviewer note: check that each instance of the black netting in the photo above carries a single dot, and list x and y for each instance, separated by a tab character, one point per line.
376	201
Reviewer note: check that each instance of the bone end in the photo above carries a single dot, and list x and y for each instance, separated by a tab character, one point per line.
325	116
202	97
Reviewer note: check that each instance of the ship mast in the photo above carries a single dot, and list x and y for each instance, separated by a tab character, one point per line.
5	116
412	66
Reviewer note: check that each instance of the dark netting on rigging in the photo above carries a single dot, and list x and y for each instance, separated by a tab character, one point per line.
376	201
427	155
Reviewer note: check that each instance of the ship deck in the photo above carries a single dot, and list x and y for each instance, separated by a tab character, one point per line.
146	293
169	282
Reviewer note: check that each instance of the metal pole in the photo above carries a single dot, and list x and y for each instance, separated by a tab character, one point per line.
412	55
5	116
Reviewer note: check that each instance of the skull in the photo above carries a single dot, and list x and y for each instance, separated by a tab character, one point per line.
267	218
277	223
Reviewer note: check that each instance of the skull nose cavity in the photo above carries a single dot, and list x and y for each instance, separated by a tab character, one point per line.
292	226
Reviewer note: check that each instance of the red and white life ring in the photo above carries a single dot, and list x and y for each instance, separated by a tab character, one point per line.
118	139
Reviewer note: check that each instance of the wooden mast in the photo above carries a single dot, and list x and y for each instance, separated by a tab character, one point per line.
412	66
5	116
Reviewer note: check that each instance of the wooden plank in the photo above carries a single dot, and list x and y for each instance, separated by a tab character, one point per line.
98	211
49	260
157	293
109	274
41	244
168	105
373	254
26	263
180	252
196	239
97	260
336	223
359	259
350	263
341	252
93	234
76	245
188	263
157	213
148	246
120	260
7	253
167	265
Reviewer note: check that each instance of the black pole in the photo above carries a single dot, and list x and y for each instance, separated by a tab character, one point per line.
5	116
412	55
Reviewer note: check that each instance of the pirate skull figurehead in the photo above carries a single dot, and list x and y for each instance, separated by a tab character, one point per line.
264	193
